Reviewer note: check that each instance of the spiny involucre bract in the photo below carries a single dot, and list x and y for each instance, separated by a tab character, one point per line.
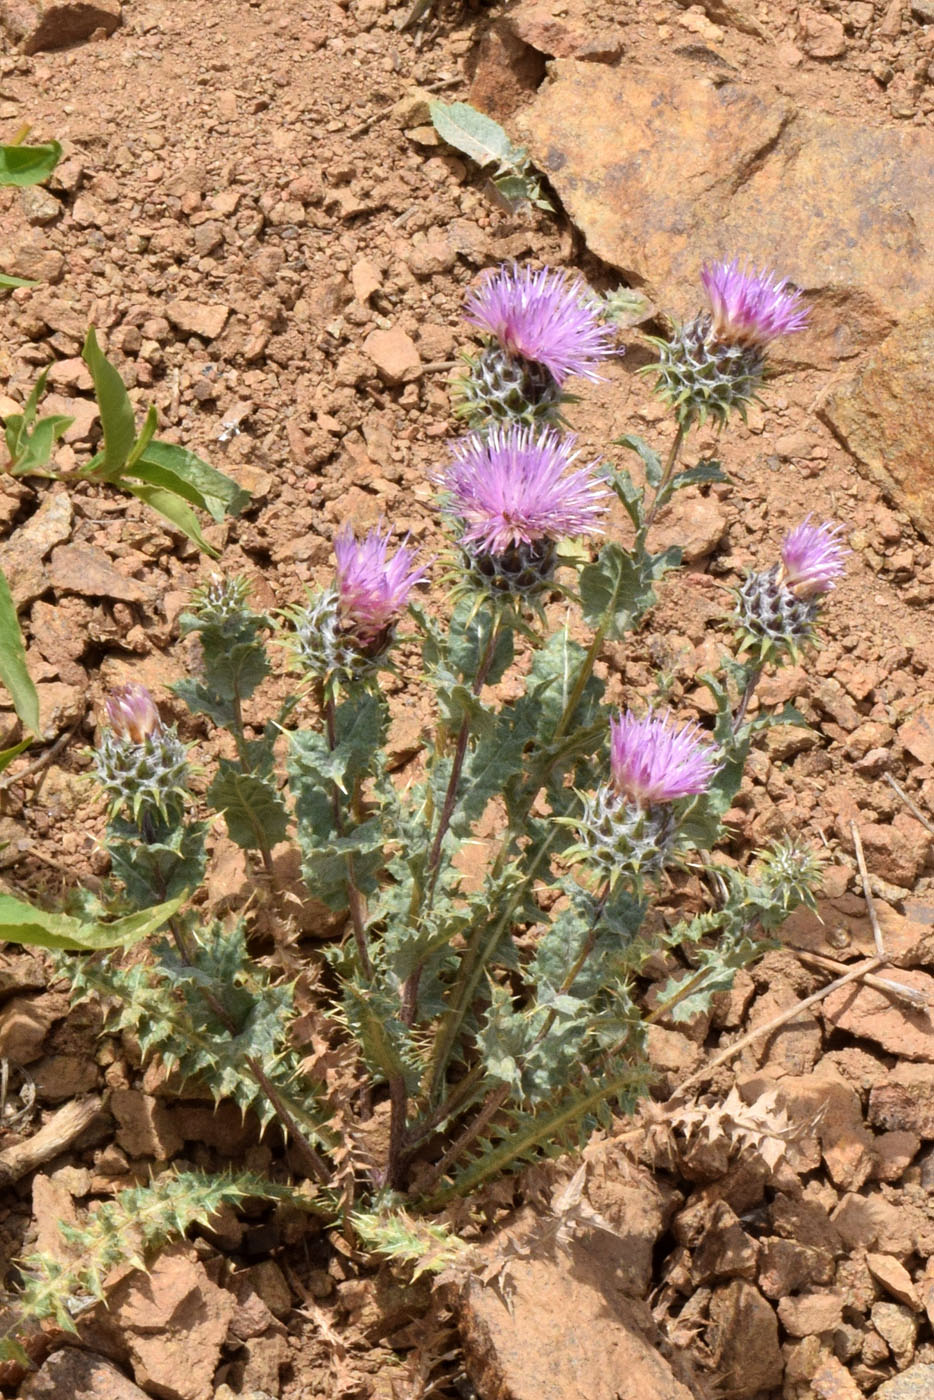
716	362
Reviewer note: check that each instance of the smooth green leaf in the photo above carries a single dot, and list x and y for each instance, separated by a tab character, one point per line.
252	808
6	280
475	134
182	472
13	671
7	755
32	451
175	510
145	438
117	418
28	165
22	923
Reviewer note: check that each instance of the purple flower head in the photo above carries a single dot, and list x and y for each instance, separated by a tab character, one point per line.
512	486
651	761
812	558
372	589
131	713
750	307
541	316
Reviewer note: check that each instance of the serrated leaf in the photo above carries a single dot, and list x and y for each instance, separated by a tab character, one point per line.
28	165
614	592
117	418
706	471
255	814
22	923
650	458
13	670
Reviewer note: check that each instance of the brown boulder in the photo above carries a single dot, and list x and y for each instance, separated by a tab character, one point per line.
660	171
79	1373
37	25
879	416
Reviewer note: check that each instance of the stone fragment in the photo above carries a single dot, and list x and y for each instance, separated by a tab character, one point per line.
724	1250
222	1126
59	706
699	166
22	554
923	11
88	571
917	735
145	1125
174	1321
506	71
832	1381
894	1278
904	1100
71	376
365	279
25	1023
786	1267
917	1383
395	355
894	1154
567	32
896	1025
898	1326
696	523
834	1110
821	35
206	320
873	414
810	1313
511	1347
743	1340
71	1372
59	1077
38	25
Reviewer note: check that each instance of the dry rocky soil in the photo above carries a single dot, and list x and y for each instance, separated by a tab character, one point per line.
255	213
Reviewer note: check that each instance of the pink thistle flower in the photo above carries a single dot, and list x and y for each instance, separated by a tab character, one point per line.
543	317
812	558
750	307
372	589
651	761
131	713
512	486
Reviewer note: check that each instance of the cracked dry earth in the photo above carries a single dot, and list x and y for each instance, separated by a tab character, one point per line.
256	215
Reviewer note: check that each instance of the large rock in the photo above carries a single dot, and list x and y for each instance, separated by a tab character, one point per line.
54	24
880	417
80	1374
661	171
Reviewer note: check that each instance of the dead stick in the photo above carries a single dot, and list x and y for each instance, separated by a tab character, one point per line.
778	1021
882	984
867	892
51	1139
913	807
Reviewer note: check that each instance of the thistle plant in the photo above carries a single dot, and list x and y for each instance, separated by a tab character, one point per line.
496	1014
716	363
539	328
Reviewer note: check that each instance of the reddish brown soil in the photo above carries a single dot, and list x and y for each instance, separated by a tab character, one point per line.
251	155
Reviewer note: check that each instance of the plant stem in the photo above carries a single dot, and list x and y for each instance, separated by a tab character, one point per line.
355	901
396	1169
493	1102
433	865
583	676
239	736
752	682
667	473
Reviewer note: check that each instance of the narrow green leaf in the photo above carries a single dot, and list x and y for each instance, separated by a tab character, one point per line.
13	671
28	165
117	417
7	755
145	437
6	280
175	510
21	923
33	450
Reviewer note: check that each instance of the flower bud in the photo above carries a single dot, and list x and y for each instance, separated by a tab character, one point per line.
131	713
